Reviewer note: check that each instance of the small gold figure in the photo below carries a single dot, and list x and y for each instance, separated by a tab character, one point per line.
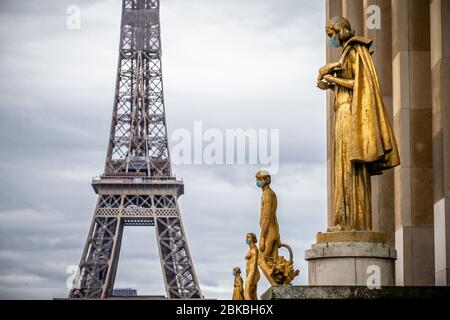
363	142
238	292
276	269
251	270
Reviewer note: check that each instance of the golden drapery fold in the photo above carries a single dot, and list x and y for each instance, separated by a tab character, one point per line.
363	141
238	292
372	139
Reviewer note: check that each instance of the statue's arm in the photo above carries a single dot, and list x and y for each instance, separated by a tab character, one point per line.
323	72
254	262
327	69
238	282
346	83
265	216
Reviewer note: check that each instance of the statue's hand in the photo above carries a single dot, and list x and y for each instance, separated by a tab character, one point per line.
327	69
322	85
329	78
322	71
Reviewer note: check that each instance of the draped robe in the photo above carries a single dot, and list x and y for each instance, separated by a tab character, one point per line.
363	141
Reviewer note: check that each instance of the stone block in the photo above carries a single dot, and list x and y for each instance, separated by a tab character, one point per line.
353	292
350	263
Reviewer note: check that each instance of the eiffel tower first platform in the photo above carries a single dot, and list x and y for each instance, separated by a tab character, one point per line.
137	187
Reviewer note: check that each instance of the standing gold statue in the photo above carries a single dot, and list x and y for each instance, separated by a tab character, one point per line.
251	270
276	269
363	141
269	239
238	292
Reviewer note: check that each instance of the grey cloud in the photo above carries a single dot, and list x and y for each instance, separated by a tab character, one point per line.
230	64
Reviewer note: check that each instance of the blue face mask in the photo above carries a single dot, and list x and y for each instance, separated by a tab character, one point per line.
247	241
259	183
333	42
234	274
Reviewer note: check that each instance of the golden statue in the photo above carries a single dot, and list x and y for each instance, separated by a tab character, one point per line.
251	270
238	292
363	142
276	268
269	239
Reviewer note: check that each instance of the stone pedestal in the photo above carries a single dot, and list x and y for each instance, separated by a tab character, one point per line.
351	259
353	292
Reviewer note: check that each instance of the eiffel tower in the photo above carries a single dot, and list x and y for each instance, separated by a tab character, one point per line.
137	187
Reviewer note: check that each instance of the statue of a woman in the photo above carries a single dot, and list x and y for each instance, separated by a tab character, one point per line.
251	270
363	141
238	292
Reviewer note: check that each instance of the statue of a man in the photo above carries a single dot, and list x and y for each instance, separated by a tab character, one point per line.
251	268
363	142
269	239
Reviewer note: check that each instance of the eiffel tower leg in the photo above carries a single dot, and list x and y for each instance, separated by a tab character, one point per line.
176	262
114	261
74	291
97	259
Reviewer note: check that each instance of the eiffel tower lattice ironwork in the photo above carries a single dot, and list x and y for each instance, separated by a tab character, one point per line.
137	187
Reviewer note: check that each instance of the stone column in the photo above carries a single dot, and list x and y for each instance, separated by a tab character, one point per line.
353	10
333	8
440	79
383	206
414	234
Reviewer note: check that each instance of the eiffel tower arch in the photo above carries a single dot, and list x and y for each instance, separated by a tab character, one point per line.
137	187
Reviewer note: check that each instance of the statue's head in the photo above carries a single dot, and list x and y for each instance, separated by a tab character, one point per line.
236	271
263	178
338	30
251	238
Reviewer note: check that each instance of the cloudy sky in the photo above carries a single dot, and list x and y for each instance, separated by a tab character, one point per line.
228	63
